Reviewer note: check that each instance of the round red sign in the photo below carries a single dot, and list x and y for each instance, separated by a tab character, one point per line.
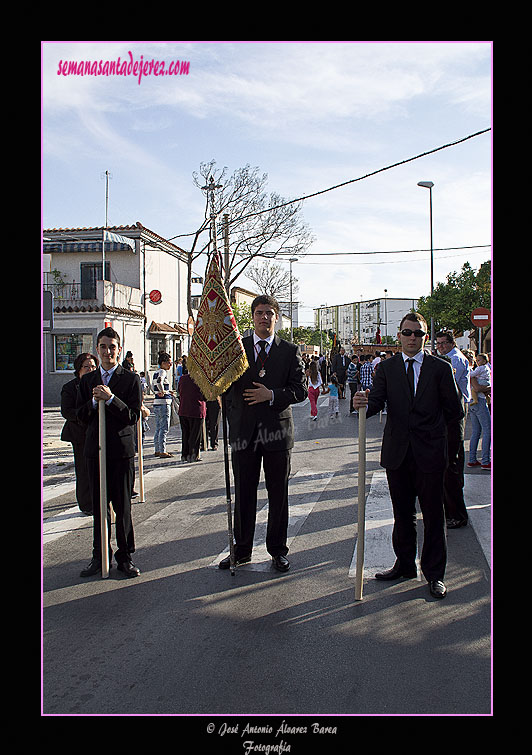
155	296
481	317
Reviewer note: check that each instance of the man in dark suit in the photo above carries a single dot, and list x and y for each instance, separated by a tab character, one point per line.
261	432
340	363
121	391
422	399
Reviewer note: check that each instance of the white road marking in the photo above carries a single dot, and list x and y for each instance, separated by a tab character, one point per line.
306	489
477	494
378	551
72	519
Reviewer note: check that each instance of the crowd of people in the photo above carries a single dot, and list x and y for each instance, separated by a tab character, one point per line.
427	398
340	373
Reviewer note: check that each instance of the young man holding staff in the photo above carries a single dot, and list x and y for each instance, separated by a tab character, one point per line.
421	397
122	394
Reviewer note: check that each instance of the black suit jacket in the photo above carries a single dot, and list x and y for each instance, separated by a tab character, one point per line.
274	425
121	415
421	422
340	363
73	430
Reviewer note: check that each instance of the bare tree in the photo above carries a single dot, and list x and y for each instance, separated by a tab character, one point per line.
260	223
270	278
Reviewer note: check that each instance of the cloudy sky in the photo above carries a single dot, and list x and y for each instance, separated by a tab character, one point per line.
309	114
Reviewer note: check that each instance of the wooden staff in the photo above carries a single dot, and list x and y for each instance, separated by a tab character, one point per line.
228	489
104	527
359	574
141	460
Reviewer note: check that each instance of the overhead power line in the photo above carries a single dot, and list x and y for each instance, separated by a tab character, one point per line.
367	175
350	181
393	251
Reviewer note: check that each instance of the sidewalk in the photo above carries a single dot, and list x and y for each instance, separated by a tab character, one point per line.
58	457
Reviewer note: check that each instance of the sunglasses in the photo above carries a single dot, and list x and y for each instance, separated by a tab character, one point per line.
418	333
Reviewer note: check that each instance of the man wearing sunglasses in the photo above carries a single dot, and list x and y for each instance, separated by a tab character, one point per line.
422	398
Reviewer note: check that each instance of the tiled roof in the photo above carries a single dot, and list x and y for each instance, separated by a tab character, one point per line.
100	308
116	228
163	327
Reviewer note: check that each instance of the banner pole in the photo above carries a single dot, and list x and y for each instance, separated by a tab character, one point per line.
228	489
141	460
359	574
104	527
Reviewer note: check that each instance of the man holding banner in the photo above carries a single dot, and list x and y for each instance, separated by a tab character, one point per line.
122	394
261	432
258	378
422	399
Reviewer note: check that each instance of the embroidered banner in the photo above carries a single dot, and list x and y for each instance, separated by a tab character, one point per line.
216	357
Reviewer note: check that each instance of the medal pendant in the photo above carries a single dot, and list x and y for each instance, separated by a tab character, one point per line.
262	373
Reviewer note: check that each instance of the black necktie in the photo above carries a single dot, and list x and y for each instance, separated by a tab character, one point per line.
410	376
262	345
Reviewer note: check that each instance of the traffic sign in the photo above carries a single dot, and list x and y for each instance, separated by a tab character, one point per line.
155	296
481	317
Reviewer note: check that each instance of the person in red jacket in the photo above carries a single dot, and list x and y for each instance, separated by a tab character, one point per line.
192	412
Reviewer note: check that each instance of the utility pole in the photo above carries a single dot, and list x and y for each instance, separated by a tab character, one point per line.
226	254
107	176
211	187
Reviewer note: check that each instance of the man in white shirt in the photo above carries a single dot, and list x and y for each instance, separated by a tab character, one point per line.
455	508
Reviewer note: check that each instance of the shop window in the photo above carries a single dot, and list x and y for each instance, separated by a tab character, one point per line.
68	347
157	345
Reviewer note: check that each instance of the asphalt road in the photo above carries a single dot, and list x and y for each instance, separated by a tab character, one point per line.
187	639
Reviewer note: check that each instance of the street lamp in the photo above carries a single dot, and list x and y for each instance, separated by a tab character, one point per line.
292	259
428	185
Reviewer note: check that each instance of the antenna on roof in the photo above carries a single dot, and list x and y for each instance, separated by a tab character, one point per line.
107	176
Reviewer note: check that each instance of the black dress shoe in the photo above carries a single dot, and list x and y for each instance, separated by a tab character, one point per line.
129	568
225	563
397	572
281	563
437	589
454	524
95	567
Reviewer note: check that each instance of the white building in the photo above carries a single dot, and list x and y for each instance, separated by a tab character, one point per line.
143	297
243	296
357	322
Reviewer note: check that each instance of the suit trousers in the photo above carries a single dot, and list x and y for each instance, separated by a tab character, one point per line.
405	483
453	481
191	437
83	491
246	469
120	479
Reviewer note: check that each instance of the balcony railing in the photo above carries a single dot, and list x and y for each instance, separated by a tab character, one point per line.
83	295
71	294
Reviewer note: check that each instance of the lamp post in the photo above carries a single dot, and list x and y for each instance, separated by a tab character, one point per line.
428	185
292	259
385	316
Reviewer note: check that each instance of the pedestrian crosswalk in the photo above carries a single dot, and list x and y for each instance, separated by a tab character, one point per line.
305	490
307	487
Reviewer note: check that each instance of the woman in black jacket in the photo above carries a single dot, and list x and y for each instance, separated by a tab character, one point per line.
74	431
